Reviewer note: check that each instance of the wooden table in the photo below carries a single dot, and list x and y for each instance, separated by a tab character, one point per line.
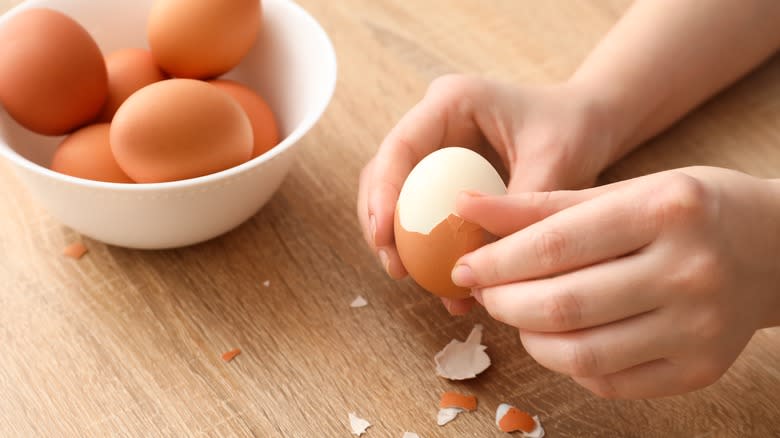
128	343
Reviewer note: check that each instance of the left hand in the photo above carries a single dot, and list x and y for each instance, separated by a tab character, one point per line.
642	288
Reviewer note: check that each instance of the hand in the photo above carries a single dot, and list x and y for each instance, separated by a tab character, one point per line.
547	138
642	288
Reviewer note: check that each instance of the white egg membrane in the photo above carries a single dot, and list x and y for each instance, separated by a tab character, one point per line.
428	196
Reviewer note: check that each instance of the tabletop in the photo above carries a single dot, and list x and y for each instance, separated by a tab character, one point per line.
129	343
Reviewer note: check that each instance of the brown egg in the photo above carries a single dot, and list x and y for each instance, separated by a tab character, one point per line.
129	70
87	154
202	39
179	129
429	258
429	235
264	127
52	75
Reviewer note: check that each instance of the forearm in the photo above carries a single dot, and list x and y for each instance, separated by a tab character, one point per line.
665	57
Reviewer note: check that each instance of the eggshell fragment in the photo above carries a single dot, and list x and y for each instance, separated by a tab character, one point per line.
129	70
410	435
463	360
429	234
53	79
359	301
446	415
87	154
202	39
357	424
455	400
230	355
178	129
510	419
75	250
452	404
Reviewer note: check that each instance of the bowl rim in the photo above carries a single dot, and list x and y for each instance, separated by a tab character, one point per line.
290	140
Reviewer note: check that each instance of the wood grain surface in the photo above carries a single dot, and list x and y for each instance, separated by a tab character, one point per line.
128	343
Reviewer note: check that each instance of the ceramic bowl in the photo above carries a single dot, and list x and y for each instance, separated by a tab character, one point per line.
293	66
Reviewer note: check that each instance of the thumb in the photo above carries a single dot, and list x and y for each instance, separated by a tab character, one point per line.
504	215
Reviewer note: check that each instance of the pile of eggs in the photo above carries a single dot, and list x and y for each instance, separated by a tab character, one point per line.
138	115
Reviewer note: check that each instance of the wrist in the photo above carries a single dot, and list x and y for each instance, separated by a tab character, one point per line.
599	134
622	117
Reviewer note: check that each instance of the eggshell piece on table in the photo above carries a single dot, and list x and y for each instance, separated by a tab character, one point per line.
75	250
358	425
510	419
359	301
230	355
429	234
264	126
461	360
87	154
53	79
178	129
202	39
129	70
451	399
446	415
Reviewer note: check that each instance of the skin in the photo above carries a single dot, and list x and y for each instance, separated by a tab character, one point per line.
671	254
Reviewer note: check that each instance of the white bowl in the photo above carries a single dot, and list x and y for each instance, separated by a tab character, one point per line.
293	66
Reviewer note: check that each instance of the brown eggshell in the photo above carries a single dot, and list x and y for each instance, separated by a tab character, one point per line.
179	129
264	126
429	258
52	75
87	154
202	39
129	70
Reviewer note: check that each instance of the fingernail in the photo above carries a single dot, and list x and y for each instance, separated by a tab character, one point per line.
477	294
372	227
463	276
384	260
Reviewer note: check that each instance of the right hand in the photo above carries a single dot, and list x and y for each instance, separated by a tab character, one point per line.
548	138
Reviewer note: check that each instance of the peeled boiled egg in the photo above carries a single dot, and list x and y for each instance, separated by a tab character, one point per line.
129	70
264	127
87	154
178	129
202	39
53	79
429	234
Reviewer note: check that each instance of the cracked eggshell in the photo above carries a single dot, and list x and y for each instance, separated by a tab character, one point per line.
429	234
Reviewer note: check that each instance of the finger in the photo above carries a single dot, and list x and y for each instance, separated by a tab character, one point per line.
428	126
388	255
397	155
657	378
391	261
590	297
503	215
380	226
442	118
457	307
367	223
603	350
607	226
